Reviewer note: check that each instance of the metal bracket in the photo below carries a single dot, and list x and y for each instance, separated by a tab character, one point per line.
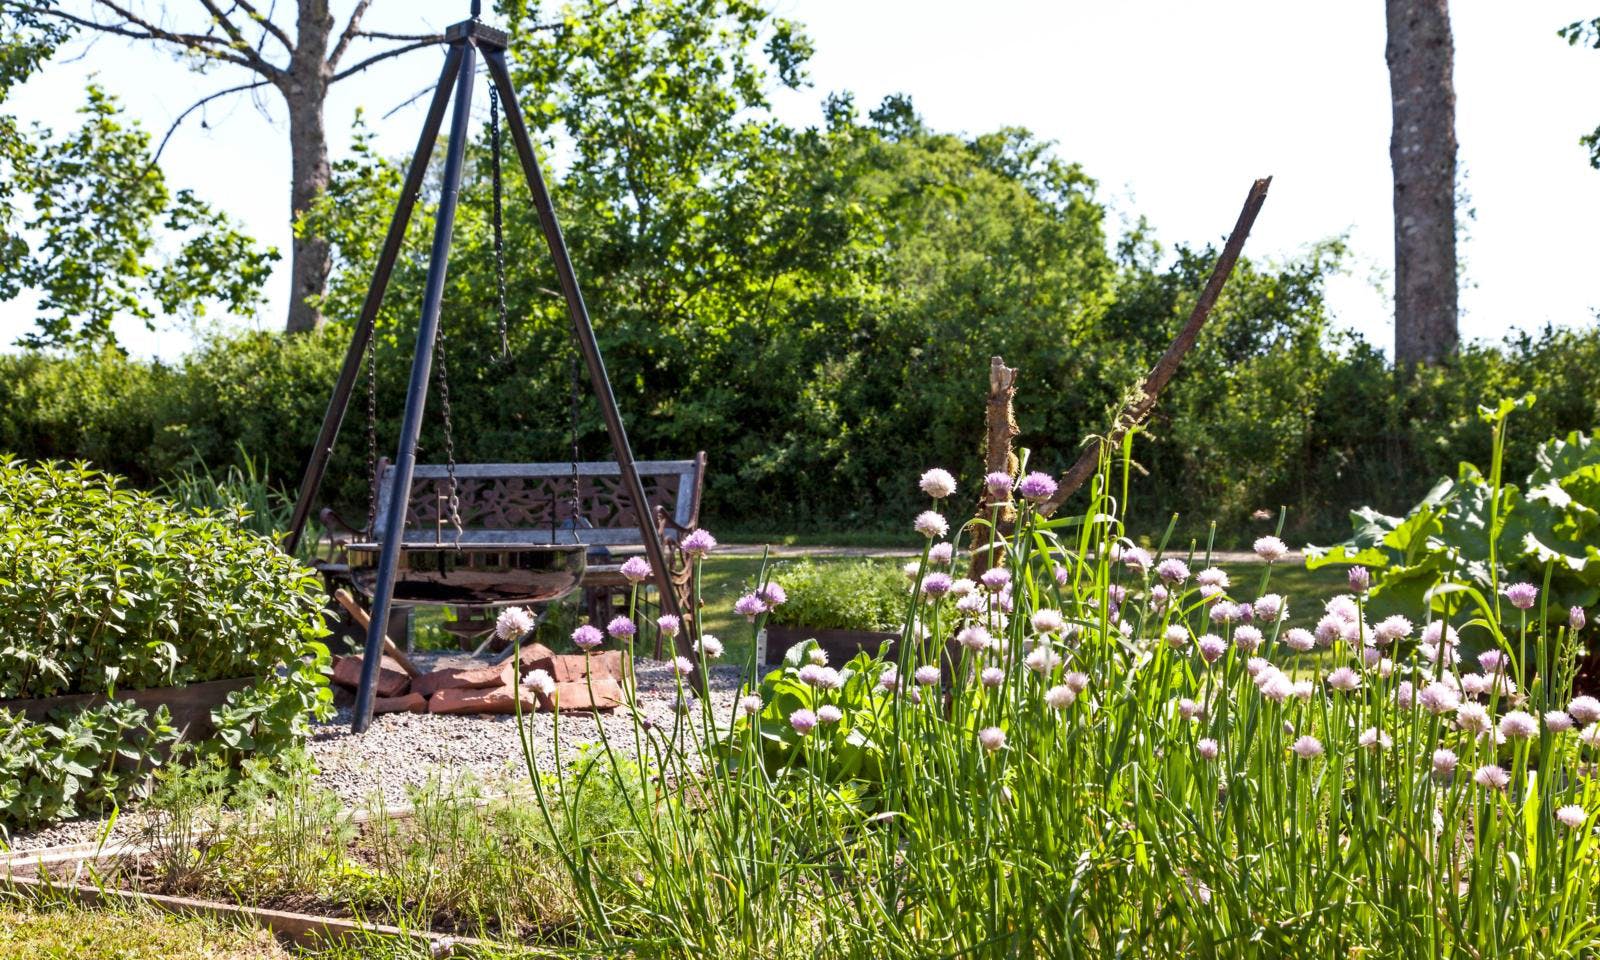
478	33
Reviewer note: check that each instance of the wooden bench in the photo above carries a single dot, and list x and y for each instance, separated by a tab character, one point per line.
531	505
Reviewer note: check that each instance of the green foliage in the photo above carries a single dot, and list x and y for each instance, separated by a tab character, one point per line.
98	205
841	595
1586	33
78	761
1476	530
103	588
242	493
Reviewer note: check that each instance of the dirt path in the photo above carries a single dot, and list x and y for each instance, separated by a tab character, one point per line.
893	553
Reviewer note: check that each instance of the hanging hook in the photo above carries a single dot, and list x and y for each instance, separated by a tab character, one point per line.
477	8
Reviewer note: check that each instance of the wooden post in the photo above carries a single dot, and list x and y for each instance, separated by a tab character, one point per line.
1001	428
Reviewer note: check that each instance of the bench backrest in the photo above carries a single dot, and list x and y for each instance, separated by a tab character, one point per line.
512	502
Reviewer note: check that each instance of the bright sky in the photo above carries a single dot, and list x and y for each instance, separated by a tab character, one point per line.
1173	105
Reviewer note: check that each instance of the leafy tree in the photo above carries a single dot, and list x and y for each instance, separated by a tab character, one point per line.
1586	33
90	243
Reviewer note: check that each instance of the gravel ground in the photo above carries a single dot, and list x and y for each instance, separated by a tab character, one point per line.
403	750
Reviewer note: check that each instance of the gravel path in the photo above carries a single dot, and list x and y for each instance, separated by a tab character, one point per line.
403	750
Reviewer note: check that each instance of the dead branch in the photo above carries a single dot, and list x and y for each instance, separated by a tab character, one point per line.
1001	423
1139	408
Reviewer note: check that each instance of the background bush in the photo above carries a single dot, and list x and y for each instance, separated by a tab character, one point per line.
840	595
106	588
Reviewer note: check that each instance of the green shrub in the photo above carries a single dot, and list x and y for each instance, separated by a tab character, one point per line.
105	588
841	595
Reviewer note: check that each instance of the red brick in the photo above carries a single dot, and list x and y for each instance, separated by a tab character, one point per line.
576	697
466	678
410	703
573	667
392	679
494	700
535	656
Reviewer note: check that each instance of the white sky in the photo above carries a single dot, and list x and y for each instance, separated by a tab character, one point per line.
1173	105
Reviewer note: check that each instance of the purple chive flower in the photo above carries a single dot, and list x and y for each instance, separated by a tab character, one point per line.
682	666
1444	763
1271	549
927	675
1519	725
669	625
974	638
773	594
998	484
1247	638
1270	608
1576	619
1177	636
1172	570
1075	681
931	525
636	569
1584	709
587	637
803	721
1213	577
513	622
710	647
1374	739
1522	595
941	553
1344	680
1307	747
937	483
1060	697
1359	578
1037	486
1207	748
750	705
1390	630
995	578
889	679
828	713
750	606
1491	777
1300	640
1212	647
621	627
1557	721
992	738
992	676
936	584
1572	816
699	543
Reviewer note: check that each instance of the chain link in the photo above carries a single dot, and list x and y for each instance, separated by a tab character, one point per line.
449	436
372	432
577	498
499	228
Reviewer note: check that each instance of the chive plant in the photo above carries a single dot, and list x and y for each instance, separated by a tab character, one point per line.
1091	749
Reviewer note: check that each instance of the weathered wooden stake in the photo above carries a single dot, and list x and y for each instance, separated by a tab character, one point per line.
1000	419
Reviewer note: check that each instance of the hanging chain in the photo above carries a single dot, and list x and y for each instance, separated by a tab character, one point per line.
577	499
449	437
372	432
499	228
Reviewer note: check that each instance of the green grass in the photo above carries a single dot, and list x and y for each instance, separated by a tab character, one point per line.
66	932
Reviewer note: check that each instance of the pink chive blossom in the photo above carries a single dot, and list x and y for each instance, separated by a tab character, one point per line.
1212	577
1300	640
1390	630
1042	659
927	675
1247	638
974	638
1572	816
1274	684
1436	631
1374	739
1360	578
996	578
936	584
1270	608
937	483
1438	697
1344	680
992	738
889	679
1207	748
636	569
1307	747
682	666
1492	661
1158	596
750	706
1474	719
1328	629
941	553
1173	570
513	622
587	637
669	625
1075	681
1344	607
750	606
1255	665
823	678
1584	709
1557	721
931	525
1474	685
1037	486
1189	709
710	647
1271	549
1060	696
1491	777
992	677
1444	763
1590	736
1005	601
1404	695
1224	612
998	484
1212	647
1576	619
1522	595
818	656
1518	725
1177	636
699	543
803	721
1136	558
962	587
1048	621
773	594
541	682
828	713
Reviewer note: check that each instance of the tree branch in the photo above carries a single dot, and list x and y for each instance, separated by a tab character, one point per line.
1135	412
197	105
386	55
266	24
349	33
234	34
215	48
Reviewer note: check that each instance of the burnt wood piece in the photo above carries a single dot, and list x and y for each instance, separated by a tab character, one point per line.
190	705
1139	408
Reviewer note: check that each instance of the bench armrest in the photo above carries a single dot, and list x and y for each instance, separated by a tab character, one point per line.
340	530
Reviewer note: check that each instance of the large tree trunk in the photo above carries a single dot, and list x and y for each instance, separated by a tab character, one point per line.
305	87
1422	150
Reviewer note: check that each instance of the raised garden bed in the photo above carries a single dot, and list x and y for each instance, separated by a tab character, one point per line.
190	706
839	645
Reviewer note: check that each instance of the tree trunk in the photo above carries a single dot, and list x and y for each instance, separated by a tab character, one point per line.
1422	151
305	87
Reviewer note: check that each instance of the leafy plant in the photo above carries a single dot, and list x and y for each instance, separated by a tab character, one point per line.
1478	530
242	493
842	595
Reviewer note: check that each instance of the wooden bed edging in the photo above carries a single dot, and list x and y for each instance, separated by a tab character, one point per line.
301	929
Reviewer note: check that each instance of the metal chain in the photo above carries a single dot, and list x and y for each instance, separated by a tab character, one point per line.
577	499
449	436
499	228
372	432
